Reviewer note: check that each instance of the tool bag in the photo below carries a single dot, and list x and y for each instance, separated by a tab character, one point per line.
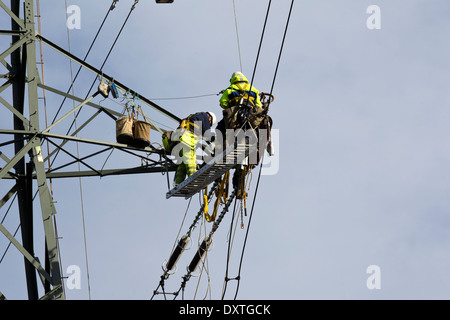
230	117
234	117
124	128
259	117
256	117
141	132
133	131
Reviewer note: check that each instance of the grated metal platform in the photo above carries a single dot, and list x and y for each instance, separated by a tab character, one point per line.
229	158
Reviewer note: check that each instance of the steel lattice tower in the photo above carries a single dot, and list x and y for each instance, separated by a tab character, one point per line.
25	165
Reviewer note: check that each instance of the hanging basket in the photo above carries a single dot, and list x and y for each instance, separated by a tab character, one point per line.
132	131
124	130
141	134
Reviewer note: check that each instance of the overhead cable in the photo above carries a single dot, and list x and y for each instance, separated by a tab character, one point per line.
104	62
114	43
260	43
260	169
281	50
113	5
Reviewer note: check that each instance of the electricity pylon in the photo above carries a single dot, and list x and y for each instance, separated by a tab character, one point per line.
26	163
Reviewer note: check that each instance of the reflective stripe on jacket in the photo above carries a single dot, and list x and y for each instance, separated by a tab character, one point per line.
240	89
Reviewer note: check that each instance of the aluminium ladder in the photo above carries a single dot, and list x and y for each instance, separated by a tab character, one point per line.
230	157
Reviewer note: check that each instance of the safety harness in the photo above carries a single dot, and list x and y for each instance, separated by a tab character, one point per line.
242	97
188	124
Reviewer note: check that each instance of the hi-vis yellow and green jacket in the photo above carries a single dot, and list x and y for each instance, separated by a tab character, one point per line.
240	88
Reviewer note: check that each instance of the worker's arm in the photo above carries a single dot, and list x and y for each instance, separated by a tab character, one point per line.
258	100
224	99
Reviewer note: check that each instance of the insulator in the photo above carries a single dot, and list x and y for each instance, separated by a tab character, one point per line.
177	252
199	255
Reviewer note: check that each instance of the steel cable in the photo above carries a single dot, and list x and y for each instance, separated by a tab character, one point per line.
260	169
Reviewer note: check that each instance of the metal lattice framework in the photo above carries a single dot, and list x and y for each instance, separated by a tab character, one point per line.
22	145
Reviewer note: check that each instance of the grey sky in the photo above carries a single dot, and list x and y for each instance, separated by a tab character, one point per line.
363	153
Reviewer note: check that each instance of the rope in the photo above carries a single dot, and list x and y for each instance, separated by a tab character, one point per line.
188	275
200	213
181	226
165	274
237	34
228	203
79	169
225	282
205	267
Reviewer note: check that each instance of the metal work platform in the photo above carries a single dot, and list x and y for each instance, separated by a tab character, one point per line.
212	170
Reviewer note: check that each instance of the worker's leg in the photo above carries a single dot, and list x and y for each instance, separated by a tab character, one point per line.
191	157
180	174
188	157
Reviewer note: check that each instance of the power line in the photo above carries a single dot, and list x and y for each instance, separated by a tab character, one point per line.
260	43
281	48
104	62
204	245
107	56
188	97
260	169
114	43
113	5
251	85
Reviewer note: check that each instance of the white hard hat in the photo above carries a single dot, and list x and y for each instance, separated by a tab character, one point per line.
213	116
237	73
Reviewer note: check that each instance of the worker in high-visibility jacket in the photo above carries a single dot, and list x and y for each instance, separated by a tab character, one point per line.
189	132
245	97
240	92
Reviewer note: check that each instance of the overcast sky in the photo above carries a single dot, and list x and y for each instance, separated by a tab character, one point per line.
361	173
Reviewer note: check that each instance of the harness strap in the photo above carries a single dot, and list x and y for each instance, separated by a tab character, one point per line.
188	124
205	199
